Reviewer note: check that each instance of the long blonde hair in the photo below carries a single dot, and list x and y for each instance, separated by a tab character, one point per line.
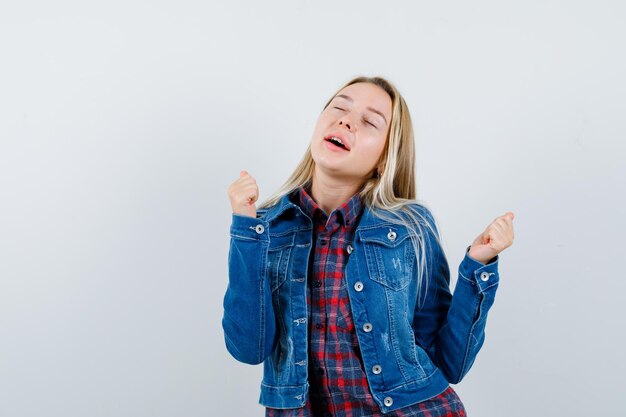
391	194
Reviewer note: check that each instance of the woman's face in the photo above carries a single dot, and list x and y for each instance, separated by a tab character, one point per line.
359	117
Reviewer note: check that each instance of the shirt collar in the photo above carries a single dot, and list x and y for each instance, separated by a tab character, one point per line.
347	213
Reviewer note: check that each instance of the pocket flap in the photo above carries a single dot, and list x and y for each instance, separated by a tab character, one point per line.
389	235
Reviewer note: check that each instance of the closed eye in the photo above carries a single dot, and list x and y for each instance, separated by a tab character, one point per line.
338	108
370	123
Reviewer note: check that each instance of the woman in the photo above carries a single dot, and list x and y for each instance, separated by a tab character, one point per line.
338	282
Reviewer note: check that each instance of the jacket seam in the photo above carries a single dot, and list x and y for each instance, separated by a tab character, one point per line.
262	353
469	347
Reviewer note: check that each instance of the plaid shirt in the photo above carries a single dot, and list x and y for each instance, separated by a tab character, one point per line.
338	384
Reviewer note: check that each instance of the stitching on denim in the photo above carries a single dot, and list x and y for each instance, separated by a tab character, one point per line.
274	274
288	232
281	387
412	383
466	278
281	246
261	319
378	225
262	336
234	235
491	284
476	307
416	345
395	347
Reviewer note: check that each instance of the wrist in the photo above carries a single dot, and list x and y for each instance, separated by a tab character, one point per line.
478	258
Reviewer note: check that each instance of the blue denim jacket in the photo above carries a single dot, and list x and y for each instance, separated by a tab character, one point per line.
409	353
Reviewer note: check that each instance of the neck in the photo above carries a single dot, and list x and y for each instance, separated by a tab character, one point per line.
330	193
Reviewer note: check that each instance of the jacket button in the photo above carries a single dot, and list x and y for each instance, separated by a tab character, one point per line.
259	228
358	286
391	235
367	327
484	276
349	248
388	401
376	369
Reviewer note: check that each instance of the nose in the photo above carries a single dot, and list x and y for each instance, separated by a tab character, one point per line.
345	122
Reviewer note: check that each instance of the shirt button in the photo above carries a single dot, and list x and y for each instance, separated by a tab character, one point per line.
317	284
319	326
376	369
358	286
259	228
367	327
484	276
349	248
391	235
388	401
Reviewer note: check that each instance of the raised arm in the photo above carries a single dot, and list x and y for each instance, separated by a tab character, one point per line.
249	323
452	328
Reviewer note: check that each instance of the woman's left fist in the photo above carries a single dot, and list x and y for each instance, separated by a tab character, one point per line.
497	237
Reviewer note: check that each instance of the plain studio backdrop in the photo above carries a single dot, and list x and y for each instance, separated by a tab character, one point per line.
122	124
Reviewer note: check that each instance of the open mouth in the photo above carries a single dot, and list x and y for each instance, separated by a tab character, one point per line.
337	142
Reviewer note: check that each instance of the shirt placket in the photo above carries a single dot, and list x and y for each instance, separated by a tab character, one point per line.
318	322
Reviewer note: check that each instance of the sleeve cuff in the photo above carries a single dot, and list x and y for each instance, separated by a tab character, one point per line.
246	227
484	276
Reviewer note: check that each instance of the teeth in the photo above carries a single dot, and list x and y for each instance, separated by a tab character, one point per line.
336	139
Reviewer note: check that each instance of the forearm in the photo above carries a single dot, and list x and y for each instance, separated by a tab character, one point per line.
249	323
463	332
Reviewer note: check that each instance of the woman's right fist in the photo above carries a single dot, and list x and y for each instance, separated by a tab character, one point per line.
243	195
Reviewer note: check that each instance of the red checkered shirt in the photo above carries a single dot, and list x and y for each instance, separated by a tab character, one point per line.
338	384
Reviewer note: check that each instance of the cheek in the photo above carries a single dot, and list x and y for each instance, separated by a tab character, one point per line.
375	148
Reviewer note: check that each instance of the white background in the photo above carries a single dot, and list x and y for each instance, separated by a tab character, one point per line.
122	123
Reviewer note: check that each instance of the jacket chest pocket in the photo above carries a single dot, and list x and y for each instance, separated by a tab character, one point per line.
278	254
389	255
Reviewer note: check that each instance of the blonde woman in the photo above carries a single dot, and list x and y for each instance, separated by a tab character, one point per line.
338	283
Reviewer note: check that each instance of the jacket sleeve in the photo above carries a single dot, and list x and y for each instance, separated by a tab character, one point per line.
451	328
249	323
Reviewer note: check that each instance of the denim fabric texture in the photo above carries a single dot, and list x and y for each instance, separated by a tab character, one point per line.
419	350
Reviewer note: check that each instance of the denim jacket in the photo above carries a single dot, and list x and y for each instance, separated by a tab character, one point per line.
410	353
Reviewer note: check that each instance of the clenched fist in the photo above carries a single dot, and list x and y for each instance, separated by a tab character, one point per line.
497	237
243	194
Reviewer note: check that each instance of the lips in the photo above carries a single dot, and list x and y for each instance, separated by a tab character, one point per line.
338	140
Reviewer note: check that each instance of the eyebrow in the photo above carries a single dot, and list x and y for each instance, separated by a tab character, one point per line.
369	108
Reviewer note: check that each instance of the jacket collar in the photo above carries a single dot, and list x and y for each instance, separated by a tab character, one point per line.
272	213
